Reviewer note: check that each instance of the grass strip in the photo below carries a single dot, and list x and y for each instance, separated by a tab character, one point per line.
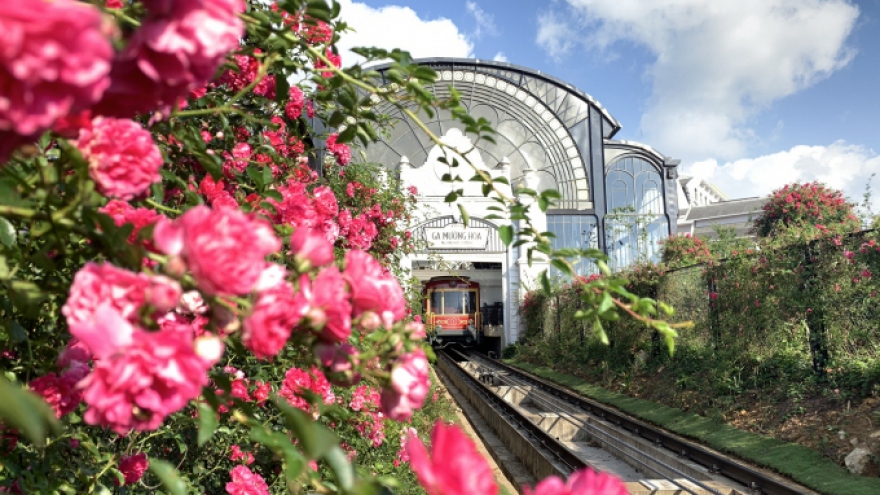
804	465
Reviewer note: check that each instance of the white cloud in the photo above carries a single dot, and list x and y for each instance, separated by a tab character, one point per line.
485	21
555	35
395	26
500	57
717	62
839	165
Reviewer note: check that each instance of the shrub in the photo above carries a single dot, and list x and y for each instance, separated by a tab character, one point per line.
812	208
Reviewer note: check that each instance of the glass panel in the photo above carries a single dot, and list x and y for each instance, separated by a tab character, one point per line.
574	231
453	302
437	302
472	302
635	222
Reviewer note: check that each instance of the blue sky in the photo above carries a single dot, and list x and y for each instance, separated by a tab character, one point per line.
749	94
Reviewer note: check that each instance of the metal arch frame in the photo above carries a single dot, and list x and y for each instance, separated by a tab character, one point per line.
560	166
477	64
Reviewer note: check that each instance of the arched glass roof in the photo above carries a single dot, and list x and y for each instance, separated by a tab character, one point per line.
534	116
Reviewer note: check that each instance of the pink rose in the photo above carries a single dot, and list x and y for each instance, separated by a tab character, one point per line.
137	386
308	245
582	482
340	151
272	318
295	103
246	482
123	159
102	294
372	287
224	249
297	380
133	467
177	49
330	313
454	467
75	351
409	386
54	60
60	391
338	360
123	213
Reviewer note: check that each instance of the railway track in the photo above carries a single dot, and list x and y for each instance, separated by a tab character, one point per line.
553	431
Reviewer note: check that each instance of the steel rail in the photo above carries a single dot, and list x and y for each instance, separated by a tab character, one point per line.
509	412
560	407
737	471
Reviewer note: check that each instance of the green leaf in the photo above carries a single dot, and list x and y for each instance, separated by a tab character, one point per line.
282	89
606	303
561	265
338	462
314	439
505	232
169	476
545	283
465	216
207	423
7	233
17	332
599	331
272	193
256	175
26	412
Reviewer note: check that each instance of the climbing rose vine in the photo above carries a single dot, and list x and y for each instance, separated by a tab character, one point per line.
809	207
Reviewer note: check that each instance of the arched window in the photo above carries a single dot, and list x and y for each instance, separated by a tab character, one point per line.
636	219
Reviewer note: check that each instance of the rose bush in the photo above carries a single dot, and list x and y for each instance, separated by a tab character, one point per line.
198	289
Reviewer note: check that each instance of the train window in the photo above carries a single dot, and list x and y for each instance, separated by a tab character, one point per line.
453	302
472	302
437	302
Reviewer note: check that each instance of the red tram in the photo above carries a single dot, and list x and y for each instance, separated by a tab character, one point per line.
452	310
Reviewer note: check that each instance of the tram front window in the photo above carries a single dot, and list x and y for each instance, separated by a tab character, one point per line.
453	302
437	302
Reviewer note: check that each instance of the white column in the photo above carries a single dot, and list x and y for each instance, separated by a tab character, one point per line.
529	273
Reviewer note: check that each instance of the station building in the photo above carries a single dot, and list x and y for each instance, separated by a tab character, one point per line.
616	196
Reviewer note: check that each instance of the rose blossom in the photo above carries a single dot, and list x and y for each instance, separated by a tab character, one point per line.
54	60
454	467
372	287
582	482
295	103
115	290
246	482
224	249
272	318
123	213
177	48
297	380
137	386
133	467
340	151
409	386
309	245
330	313
60	392
123	159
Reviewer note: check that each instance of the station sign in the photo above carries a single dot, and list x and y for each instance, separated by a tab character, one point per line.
456	236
